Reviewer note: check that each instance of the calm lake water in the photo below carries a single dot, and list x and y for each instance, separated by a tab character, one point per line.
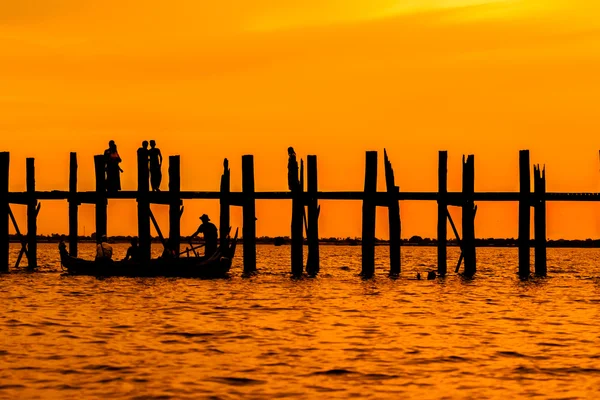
335	336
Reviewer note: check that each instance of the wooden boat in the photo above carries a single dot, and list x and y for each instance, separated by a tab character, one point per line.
215	266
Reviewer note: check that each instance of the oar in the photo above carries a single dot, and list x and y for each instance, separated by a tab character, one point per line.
187	249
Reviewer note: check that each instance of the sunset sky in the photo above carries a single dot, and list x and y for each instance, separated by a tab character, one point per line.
209	80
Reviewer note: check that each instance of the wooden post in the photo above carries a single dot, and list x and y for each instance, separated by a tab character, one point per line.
393	217
101	201
4	237
297	231
175	203
524	213
540	221
442	226
31	215
224	214
249	214
73	206
312	263
143	206
468	216
368	215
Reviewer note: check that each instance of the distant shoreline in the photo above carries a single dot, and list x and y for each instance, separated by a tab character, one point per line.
285	241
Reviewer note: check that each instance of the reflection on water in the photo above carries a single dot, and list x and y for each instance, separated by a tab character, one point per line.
335	336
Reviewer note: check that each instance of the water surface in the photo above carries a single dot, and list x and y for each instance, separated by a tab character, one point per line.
335	336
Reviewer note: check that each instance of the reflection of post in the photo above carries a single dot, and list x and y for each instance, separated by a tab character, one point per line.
312	263
100	197
224	214
368	215
4	237
524	213
393	216
249	214
442	226
73	206
31	215
174	203
468	216
539	222
143	206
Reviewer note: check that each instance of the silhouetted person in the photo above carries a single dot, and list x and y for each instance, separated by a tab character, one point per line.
103	250
156	160
169	250
293	183
133	252
210	235
431	275
113	170
418	275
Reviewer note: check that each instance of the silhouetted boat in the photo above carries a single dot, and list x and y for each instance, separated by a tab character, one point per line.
215	266
279	241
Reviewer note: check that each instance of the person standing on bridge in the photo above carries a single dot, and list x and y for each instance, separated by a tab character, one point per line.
156	160
210	235
293	183
113	170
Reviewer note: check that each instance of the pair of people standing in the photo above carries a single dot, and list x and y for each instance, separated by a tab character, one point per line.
155	160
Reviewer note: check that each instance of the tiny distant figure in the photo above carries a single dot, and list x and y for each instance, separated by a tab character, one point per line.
113	170
156	160
293	183
133	252
418	276
103	250
210	235
430	275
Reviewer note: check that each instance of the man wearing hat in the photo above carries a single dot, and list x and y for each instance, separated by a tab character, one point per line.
103	250
210	235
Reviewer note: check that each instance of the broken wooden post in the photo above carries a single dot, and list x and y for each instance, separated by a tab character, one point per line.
4	237
101	201
312	263
393	216
143	206
297	231
468	215
524	213
73	206
442	202
175	203
539	220
249	214
31	215
368	215
224	214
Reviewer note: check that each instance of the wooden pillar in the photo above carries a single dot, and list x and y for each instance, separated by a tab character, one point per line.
249	214
539	221
468	215
524	213
224	214
442	225
4	237
175	203
73	206
393	216
297	230
31	215
143	206
312	263
368	215
101	201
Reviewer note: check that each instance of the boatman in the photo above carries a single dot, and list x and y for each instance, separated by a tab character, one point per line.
210	235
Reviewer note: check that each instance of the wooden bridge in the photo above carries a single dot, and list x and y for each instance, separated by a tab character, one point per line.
305	210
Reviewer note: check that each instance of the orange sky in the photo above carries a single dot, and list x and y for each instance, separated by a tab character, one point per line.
209	80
